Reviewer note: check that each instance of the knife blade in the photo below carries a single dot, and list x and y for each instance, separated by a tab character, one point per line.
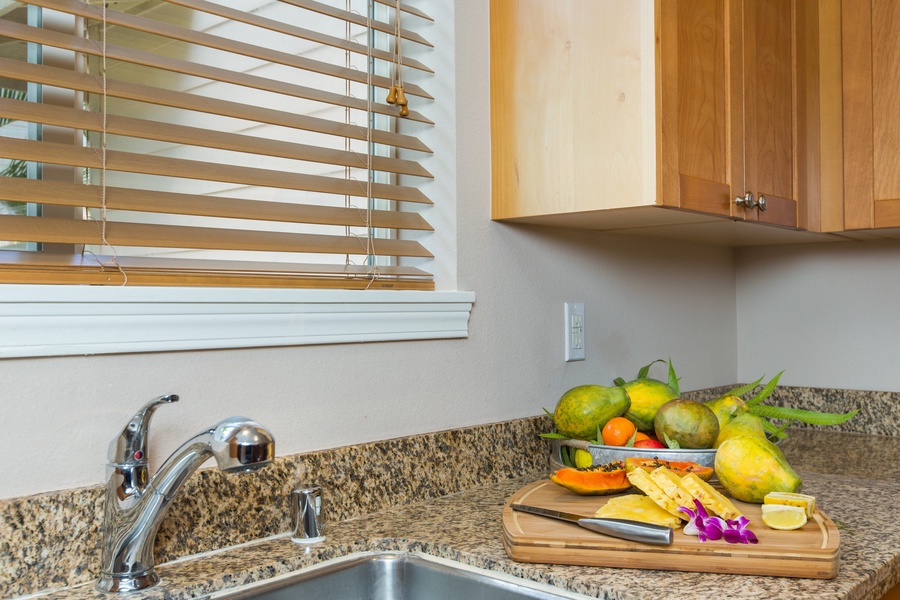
635	531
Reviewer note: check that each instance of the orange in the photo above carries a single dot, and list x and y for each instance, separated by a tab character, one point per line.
640	435
617	431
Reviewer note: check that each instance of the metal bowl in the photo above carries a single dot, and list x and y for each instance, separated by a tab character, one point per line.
605	454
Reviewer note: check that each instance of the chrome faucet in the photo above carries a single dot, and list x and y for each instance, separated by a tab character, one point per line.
136	504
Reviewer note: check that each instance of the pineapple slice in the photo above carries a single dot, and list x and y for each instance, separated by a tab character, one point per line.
640	479
670	483
638	508
807	503
711	499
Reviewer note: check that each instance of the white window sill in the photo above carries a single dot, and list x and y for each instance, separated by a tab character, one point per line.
78	320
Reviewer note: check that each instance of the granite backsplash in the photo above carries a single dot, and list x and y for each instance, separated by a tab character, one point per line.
52	540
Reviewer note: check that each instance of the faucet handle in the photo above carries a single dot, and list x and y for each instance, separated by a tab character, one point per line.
130	446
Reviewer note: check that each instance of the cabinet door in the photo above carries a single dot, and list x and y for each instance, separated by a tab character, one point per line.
770	165
699	103
727	107
871	73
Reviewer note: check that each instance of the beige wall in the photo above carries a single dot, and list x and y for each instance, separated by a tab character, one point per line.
829	315
826	314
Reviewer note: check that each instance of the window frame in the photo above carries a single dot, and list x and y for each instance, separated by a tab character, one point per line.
61	320
66	320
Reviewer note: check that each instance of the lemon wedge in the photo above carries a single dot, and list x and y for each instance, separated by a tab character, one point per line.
780	516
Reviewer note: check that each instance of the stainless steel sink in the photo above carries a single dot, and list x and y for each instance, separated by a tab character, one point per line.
381	576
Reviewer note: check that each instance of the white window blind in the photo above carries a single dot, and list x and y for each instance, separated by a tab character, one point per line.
226	143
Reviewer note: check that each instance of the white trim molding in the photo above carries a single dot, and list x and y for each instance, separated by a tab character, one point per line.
82	320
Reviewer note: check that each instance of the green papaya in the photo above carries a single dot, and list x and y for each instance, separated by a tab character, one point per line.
584	408
646	395
750	467
743	424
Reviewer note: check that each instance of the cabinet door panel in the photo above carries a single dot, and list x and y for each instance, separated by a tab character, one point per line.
768	135
886	100
695	89
870	53
701	86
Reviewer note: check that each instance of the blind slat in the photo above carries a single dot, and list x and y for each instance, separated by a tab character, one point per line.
343	15
89	196
132	91
412	10
198	38
183	67
41	260
62	154
298	32
67	231
109	275
182	134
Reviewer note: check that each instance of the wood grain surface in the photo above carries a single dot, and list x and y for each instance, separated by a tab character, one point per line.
812	551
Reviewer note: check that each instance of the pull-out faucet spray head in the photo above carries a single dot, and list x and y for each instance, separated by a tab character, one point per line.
135	504
239	444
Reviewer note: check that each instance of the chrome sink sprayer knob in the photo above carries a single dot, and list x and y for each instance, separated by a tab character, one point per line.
135	503
307	525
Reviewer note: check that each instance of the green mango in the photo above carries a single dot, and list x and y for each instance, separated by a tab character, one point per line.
750	467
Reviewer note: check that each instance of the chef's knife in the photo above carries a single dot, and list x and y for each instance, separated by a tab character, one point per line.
636	531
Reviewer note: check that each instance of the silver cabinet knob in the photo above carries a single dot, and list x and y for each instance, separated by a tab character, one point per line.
763	203
748	201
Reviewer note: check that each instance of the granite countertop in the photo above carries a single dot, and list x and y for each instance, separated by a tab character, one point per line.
857	486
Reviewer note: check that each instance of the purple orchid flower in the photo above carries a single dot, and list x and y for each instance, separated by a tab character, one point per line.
715	528
701	524
737	532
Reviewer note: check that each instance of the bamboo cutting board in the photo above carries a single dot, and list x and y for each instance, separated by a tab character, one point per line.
811	551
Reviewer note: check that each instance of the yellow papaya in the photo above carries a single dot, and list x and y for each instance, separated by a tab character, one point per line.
743	424
646	395
750	467
726	408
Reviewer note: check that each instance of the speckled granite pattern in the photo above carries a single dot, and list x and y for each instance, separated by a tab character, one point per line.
451	509
466	527
53	539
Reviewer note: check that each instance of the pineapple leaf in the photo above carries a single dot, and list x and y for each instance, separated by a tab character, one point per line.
743	389
765	392
811	417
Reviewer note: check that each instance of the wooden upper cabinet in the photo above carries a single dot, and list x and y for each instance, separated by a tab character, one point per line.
610	114
871	112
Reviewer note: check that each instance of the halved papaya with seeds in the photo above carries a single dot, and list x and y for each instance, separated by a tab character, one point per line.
598	480
680	468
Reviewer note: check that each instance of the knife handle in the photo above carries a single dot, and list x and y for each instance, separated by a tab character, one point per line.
635	531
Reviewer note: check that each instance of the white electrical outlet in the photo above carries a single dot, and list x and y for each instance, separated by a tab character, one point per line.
574	331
